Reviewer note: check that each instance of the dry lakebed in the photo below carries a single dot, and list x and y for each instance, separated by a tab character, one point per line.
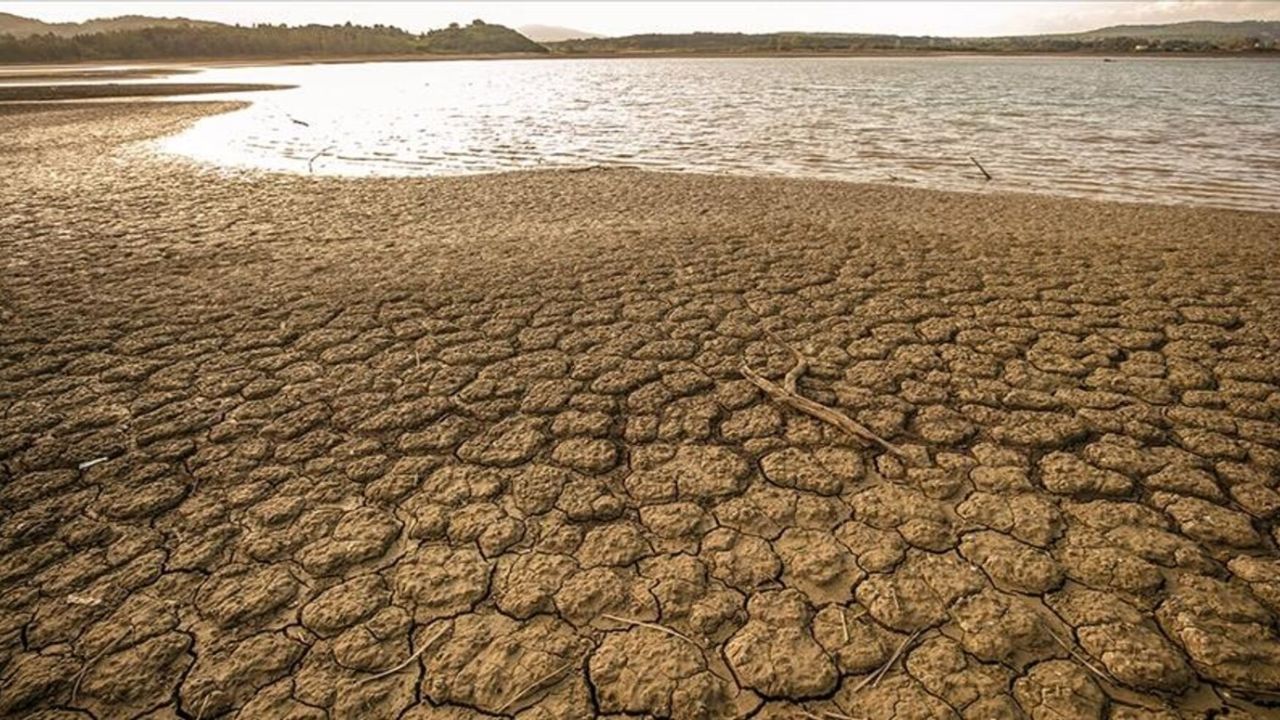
284	446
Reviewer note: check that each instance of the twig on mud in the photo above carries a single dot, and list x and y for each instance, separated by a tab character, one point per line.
652	626
524	692
79	677
317	156
788	395
90	463
408	661
792	378
828	715
817	410
875	677
985	174
844	621
1079	656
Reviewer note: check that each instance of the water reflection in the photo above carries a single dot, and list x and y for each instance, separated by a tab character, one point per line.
1204	131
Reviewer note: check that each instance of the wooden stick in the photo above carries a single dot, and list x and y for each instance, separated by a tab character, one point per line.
985	174
651	626
75	687
884	669
788	395
315	157
538	683
896	654
1078	656
408	660
837	716
816	410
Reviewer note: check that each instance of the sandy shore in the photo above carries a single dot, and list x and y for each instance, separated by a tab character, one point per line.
277	446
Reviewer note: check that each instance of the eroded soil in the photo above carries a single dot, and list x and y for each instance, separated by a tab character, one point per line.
425	449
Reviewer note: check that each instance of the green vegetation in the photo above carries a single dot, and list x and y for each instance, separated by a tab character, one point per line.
210	40
19	26
143	38
1180	37
478	37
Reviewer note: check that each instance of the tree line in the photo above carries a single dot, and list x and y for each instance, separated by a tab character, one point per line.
845	42
174	43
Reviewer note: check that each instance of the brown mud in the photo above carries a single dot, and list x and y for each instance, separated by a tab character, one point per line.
46	73
41	93
282	446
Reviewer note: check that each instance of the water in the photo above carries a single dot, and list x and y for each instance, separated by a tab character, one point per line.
1186	130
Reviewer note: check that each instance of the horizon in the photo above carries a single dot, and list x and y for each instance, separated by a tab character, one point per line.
926	17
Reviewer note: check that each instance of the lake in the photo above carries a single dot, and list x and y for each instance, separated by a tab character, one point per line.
1170	130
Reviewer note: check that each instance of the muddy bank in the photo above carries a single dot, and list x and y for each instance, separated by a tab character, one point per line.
40	93
46	73
291	446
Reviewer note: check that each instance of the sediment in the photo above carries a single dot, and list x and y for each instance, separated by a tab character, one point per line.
291	446
45	93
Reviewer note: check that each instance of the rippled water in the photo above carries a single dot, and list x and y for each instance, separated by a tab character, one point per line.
1204	131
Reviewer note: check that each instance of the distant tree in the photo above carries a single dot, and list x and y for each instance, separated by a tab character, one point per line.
195	41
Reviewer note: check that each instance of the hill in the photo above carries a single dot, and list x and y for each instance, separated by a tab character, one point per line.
478	37
213	40
553	33
1198	30
20	27
1177	37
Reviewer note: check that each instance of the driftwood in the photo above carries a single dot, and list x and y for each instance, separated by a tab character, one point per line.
787	395
985	174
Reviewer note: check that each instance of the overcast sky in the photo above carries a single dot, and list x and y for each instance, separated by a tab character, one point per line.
622	18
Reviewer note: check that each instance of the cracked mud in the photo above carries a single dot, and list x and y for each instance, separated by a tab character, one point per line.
447	449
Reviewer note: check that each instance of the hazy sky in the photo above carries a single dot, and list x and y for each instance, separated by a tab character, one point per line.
622	18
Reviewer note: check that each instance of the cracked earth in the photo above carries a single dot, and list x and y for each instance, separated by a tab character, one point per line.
446	449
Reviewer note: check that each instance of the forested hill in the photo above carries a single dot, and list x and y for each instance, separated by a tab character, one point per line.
19	26
1252	36
230	41
142	38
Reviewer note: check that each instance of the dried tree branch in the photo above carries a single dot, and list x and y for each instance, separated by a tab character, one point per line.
803	404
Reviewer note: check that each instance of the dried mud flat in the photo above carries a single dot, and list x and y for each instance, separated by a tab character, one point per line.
319	448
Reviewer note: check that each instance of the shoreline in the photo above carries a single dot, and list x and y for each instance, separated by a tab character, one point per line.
499	425
124	92
1171	203
415	57
125	100
73	92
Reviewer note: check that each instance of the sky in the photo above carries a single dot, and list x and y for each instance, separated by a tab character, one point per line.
924	17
